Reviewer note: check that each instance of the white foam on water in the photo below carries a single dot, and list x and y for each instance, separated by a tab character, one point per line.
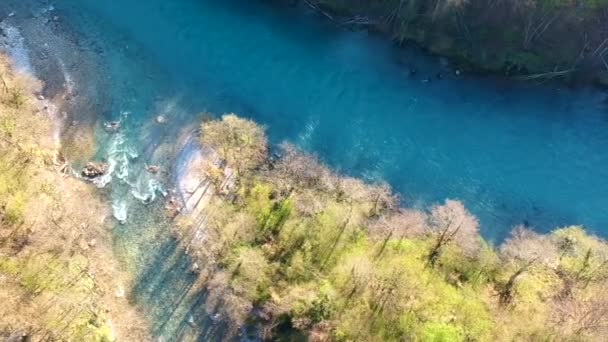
69	85
119	211
44	10
119	157
123	165
149	191
306	135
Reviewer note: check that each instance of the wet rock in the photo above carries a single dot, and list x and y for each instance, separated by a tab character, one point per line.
153	169
94	170
112	126
173	206
161	119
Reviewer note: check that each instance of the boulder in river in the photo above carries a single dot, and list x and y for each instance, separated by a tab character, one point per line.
173	206
153	169
161	119
94	170
112	126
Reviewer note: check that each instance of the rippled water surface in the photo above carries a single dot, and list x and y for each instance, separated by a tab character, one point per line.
512	152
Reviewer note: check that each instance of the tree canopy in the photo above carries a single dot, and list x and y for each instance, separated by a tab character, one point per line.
303	252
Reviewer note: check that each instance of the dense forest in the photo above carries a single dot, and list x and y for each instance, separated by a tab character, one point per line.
290	247
535	39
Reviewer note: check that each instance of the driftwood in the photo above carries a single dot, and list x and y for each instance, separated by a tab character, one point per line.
547	75
153	169
357	20
318	9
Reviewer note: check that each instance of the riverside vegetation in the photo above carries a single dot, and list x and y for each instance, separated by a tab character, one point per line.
535	38
286	245
58	278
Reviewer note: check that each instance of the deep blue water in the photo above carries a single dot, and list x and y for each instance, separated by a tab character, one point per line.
513	152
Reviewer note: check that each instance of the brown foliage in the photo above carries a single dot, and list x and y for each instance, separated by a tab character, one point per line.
451	222
526	245
240	142
404	223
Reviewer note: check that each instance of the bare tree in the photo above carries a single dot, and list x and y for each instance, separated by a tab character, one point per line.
451	222
295	169
525	245
240	142
525	248
583	319
401	224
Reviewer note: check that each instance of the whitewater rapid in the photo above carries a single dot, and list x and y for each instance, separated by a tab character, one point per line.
35	48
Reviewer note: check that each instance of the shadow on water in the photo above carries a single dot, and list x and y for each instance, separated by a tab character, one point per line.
169	292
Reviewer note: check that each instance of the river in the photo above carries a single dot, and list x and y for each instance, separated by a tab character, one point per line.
513	152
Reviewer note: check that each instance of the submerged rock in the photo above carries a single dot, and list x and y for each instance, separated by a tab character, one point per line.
94	170
153	169
161	119
112	126
173	206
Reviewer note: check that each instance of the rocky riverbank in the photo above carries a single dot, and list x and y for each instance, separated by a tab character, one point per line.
534	40
58	275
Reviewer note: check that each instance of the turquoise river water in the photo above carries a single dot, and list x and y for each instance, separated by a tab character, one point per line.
513	153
